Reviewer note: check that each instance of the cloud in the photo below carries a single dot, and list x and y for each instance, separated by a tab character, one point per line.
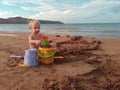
71	11
9	2
14	2
97	10
7	14
51	15
38	8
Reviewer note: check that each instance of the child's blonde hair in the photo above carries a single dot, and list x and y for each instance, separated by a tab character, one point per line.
34	22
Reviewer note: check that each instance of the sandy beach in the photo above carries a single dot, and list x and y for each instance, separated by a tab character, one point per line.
89	63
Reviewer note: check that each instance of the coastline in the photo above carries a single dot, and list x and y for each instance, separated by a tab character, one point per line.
86	67
96	30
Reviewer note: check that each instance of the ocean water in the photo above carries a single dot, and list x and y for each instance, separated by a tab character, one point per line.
100	30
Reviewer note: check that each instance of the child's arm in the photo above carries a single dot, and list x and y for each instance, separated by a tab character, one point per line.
31	40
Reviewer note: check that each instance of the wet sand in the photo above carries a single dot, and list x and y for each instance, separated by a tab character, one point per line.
88	63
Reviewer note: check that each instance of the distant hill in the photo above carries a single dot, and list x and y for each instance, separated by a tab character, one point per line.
20	20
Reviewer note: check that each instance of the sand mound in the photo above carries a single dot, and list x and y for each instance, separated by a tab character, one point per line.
101	78
77	45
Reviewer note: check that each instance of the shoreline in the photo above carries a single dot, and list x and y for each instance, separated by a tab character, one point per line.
95	30
17	34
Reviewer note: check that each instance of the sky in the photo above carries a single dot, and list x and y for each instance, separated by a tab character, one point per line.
67	11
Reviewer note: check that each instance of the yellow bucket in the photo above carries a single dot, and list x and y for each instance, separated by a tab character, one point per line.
47	55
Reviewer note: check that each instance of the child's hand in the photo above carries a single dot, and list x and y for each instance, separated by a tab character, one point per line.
38	42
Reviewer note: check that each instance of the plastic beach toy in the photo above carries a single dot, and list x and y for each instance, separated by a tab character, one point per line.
18	57
47	55
21	64
45	41
30	57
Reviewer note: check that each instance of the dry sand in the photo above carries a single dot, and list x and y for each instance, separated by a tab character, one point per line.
89	63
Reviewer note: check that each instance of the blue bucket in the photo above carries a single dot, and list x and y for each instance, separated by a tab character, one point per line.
30	57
